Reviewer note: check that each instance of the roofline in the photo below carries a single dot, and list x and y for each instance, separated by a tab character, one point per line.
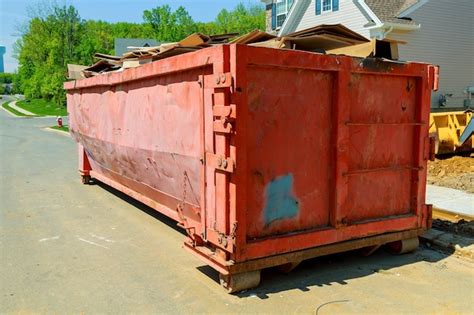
284	28
371	13
413	8
378	23
288	21
397	26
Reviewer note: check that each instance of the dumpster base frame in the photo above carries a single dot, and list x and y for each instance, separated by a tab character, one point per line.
206	254
229	267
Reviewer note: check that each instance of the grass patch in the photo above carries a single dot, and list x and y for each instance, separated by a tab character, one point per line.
13	111
42	107
64	128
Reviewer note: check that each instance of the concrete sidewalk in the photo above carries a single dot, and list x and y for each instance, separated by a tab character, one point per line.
449	199
19	109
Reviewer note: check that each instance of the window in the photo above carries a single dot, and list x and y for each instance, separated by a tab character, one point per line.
282	9
327	5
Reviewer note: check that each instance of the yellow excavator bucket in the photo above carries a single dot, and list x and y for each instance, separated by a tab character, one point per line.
447	128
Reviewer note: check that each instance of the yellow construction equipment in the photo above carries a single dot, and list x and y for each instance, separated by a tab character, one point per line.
447	127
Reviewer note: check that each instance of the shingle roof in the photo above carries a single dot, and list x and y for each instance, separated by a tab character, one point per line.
389	10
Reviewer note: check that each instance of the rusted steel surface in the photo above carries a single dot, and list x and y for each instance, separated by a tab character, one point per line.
259	152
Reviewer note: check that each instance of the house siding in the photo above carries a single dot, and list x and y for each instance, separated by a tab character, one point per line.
349	14
268	18
445	38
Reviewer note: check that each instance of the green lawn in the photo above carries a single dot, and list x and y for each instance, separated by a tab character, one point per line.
13	111
64	128
42	107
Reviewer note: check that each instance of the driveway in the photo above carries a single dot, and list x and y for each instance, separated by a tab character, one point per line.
70	248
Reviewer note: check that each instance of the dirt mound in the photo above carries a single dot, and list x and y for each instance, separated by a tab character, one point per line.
455	172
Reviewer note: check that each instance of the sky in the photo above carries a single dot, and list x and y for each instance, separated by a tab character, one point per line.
13	13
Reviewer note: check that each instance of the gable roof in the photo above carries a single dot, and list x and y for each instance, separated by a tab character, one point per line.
388	11
393	13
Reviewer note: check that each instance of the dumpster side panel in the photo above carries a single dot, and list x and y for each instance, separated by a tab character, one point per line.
146	131
332	148
148	135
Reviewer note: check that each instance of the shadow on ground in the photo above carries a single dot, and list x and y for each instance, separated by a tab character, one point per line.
137	204
321	271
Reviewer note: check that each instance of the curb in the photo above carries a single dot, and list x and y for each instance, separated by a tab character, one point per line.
9	112
19	109
460	245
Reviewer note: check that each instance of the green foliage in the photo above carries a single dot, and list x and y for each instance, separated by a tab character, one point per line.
6	83
57	36
45	50
7	77
169	26
241	20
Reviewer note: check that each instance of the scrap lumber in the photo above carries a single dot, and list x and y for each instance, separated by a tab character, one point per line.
333	29
326	39
376	48
252	37
196	39
74	72
221	38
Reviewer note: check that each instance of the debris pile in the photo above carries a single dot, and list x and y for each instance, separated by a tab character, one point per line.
326	39
455	172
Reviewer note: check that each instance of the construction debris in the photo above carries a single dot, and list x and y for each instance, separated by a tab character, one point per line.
326	39
75	71
253	37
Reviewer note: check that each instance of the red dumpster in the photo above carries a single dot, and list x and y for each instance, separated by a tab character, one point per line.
265	157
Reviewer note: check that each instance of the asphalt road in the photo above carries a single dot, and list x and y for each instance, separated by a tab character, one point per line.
70	248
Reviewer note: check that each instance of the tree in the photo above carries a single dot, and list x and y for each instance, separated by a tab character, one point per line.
172	26
44	51
56	36
169	26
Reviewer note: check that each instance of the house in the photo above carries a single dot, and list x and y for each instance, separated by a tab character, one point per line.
2	52
435	31
122	44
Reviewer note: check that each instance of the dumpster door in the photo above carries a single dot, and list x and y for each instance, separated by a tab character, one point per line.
219	154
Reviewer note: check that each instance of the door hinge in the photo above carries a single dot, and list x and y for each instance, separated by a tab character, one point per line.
222	126
224	111
218	80
220	162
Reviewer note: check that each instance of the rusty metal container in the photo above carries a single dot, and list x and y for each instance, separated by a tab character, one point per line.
265	157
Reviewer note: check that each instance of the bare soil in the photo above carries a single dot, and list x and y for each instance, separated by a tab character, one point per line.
454	172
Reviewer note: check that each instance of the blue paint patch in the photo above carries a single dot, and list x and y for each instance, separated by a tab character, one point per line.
279	200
